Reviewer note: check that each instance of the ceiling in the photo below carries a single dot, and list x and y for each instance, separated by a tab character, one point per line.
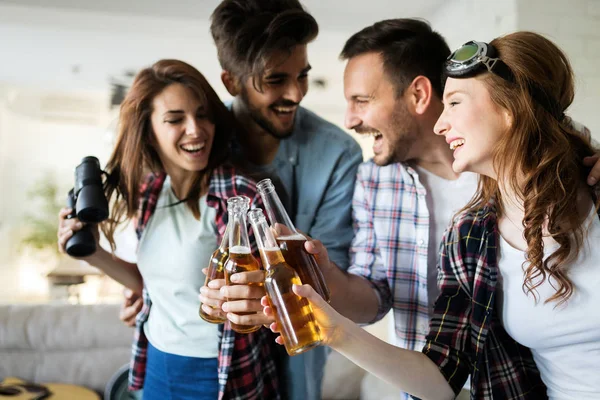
340	15
83	44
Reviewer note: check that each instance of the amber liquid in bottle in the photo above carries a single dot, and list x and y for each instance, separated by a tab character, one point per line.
241	260
293	313
303	263
290	241
216	270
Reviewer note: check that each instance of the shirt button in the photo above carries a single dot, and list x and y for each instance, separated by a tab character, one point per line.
421	242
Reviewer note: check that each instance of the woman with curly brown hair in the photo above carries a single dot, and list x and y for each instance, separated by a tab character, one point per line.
519	269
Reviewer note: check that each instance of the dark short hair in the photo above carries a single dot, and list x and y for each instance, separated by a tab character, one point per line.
409	48
248	32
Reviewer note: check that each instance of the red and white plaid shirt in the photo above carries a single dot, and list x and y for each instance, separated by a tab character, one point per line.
247	362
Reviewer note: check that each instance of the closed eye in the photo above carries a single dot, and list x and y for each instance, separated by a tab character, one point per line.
274	81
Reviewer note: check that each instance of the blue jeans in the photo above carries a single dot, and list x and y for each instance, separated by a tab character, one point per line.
174	377
305	374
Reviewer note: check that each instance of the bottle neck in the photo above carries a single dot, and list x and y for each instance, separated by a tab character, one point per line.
238	234
271	257
225	239
280	220
267	245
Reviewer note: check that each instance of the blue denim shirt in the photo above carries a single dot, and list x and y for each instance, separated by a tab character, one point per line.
317	167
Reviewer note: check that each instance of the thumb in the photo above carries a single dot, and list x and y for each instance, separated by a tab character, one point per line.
128	293
308	292
590	160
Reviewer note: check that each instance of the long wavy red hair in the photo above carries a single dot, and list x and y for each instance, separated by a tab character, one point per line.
545	151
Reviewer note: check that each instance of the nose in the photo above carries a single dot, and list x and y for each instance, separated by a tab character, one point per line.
351	120
192	127
295	91
442	126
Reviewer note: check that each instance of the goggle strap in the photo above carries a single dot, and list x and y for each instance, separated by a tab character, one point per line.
547	102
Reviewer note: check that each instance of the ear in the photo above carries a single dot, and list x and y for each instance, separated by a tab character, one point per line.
230	82
419	94
508	119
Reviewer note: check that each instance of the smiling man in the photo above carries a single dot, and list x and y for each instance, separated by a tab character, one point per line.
406	195
262	49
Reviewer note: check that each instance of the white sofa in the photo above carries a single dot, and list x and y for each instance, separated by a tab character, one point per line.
81	345
86	344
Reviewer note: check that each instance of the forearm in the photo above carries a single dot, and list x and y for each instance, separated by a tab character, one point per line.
411	371
121	271
352	295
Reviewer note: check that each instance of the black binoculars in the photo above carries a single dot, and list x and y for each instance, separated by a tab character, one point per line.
89	205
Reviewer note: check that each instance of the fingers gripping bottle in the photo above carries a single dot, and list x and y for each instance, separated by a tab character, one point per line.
293	313
291	242
240	254
216	264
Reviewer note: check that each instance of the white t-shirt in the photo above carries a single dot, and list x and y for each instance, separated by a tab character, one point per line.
444	199
172	252
565	339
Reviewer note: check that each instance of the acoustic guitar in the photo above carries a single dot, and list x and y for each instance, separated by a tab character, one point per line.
17	389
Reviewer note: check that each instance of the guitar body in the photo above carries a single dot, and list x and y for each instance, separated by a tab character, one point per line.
17	389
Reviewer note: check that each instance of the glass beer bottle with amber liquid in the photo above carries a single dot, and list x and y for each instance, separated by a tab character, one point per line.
240	254
293	313
291	242
216	264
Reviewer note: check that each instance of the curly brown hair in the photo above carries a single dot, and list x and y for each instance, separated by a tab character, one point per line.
544	151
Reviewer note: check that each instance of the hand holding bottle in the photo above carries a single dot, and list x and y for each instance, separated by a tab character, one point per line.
290	241
333	325
212	300
243	306
244	297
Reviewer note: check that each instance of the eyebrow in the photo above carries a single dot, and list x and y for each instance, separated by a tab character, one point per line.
200	108
360	96
446	95
174	112
279	75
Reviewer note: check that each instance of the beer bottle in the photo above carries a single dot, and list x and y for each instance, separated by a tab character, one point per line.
293	313
218	259
291	242
240	254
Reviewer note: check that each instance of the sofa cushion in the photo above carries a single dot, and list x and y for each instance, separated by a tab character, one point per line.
77	344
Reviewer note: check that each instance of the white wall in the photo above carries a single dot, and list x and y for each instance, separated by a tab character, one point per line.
462	20
33	147
574	25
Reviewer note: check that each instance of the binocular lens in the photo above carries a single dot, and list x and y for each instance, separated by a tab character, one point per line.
82	243
92	205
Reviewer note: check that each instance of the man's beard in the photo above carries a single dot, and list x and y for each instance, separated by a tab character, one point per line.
264	122
405	131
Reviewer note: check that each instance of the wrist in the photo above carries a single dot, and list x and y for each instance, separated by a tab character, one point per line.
342	335
96	258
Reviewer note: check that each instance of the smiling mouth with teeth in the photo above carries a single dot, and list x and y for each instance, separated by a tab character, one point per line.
192	148
456	143
376	135
284	110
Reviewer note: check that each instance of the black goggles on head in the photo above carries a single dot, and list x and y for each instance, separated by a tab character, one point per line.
473	57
